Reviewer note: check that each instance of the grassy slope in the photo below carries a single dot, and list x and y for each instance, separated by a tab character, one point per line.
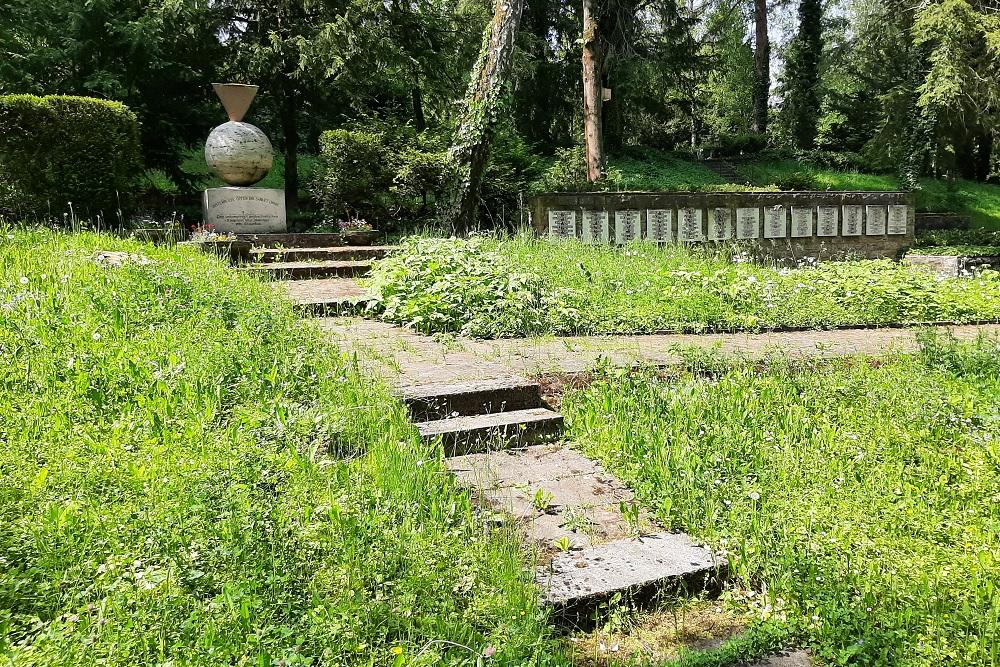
522	285
978	200
862	496
172	487
664	173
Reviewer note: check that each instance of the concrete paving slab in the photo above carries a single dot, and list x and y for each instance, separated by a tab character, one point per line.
531	466
662	561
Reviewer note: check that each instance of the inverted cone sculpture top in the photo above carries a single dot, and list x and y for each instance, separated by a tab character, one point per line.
236	98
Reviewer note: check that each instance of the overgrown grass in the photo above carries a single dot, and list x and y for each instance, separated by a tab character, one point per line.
191	476
860	498
515	286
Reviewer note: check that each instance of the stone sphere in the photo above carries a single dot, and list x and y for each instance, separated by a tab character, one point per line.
239	153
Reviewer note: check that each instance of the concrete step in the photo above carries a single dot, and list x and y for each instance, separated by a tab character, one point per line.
430	402
594	540
575	583
327	296
476	433
558	496
293	240
336	253
320	269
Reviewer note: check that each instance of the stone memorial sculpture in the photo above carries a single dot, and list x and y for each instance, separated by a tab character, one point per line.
241	155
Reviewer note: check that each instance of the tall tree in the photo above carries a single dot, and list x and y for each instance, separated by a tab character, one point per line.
471	146
762	67
593	97
802	104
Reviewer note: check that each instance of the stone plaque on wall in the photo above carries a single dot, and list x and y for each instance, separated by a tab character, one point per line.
562	224
660	225
854	220
245	210
689	225
899	217
774	222
628	226
827	220
720	227
876	220
802	221
747	223
596	228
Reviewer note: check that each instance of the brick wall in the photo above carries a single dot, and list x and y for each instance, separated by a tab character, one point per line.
827	225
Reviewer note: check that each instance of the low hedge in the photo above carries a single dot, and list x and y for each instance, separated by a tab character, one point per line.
60	149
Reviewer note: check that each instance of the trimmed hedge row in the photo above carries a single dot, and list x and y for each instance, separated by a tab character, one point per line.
60	149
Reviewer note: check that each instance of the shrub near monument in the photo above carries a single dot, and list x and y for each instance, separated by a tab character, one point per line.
60	149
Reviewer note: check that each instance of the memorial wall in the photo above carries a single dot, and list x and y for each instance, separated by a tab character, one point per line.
783	224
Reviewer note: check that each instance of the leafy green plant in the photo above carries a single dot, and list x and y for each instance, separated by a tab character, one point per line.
452	285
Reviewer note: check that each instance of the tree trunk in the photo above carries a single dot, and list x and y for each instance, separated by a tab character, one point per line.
419	122
762	68
593	96
471	146
984	155
290	130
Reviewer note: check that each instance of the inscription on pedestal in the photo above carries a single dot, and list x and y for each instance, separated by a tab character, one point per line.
899	217
774	223
876	220
747	223
854	218
689	225
628	226
720	227
245	210
827	220
596	227
660	225
562	224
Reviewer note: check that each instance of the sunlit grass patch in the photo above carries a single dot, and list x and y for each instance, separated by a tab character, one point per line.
190	475
861	497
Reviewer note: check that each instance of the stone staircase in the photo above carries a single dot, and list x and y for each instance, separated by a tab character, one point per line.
724	169
504	443
317	271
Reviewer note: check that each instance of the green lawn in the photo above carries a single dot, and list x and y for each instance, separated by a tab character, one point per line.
860	499
495	287
189	475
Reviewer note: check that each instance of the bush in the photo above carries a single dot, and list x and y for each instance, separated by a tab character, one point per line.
354	173
60	149
736	145
380	172
797	181
458	286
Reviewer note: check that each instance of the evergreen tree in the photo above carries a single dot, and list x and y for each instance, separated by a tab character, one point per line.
802	103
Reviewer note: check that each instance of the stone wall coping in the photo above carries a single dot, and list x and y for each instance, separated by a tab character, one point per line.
669	193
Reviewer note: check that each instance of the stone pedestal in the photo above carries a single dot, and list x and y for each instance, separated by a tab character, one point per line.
245	210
